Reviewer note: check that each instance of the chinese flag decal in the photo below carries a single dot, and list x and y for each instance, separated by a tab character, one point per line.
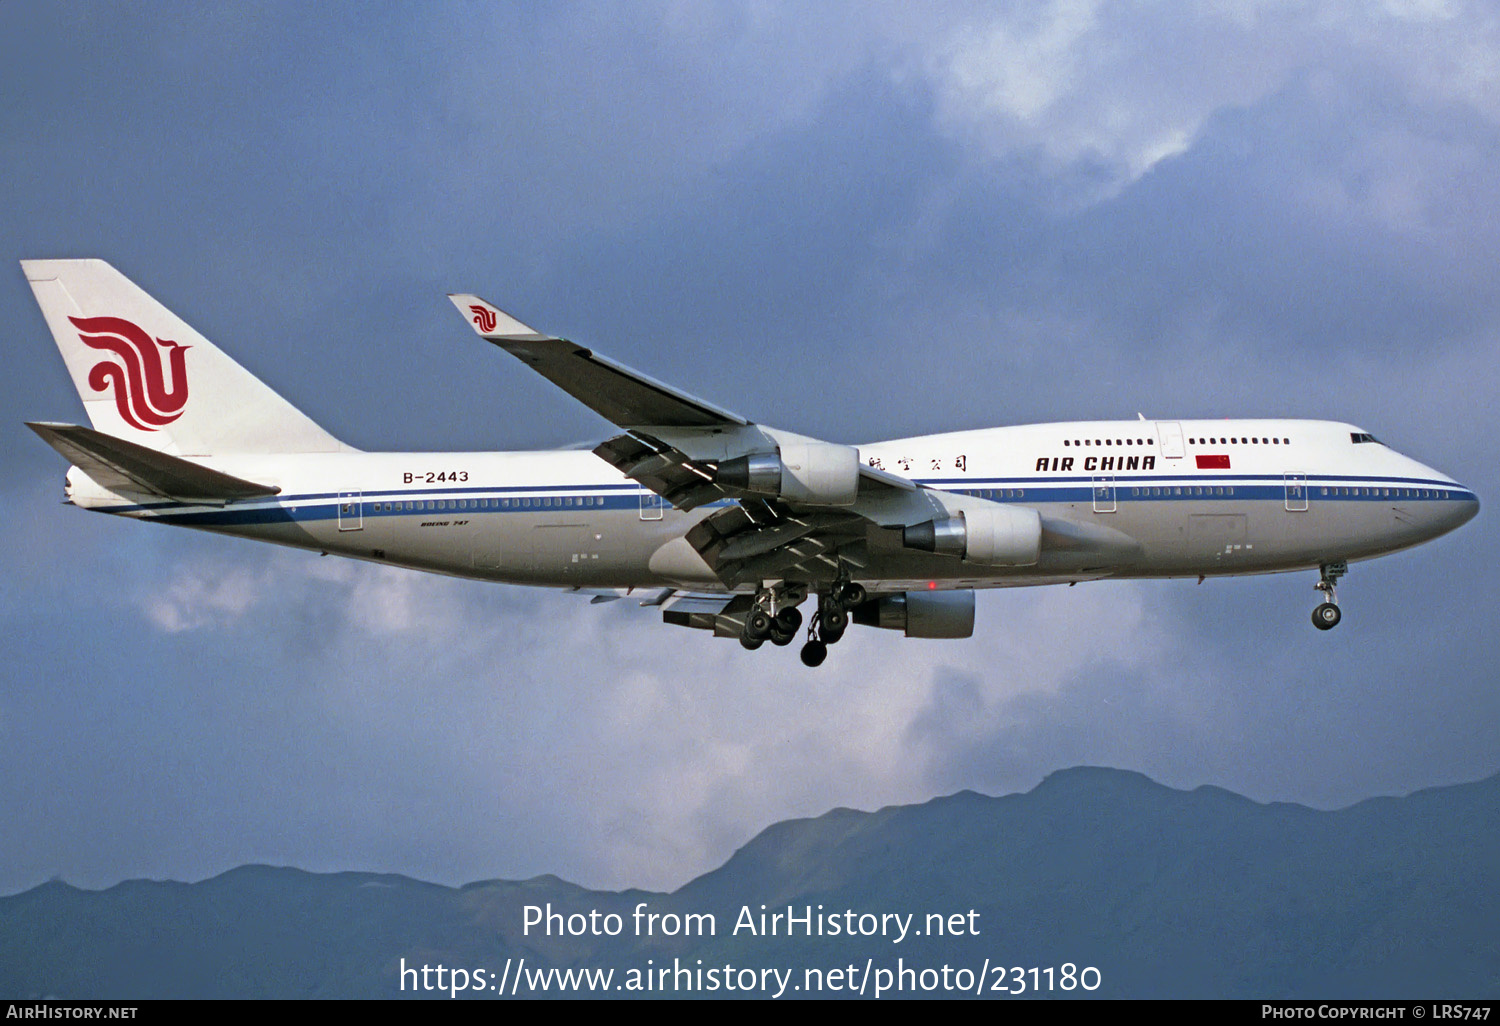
1213	462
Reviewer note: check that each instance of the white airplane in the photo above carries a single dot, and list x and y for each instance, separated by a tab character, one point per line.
725	524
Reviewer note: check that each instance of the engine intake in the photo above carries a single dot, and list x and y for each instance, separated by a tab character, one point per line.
820	473
995	536
921	614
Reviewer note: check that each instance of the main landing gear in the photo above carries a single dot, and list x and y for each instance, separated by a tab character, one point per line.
779	627
830	621
1327	615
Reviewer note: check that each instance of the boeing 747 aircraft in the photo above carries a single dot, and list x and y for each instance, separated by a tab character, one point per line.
724	524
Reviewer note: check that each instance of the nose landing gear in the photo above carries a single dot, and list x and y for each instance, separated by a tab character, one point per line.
1327	615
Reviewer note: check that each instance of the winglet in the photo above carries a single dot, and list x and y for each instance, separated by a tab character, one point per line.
491	322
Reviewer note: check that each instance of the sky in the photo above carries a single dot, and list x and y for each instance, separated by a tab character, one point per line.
856	221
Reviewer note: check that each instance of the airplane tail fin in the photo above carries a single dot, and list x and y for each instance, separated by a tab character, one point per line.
145	376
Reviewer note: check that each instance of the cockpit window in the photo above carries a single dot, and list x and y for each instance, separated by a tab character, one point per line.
1360	436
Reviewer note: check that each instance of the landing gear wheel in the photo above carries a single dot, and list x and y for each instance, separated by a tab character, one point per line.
835	622
1326	616
781	638
751	643
789	620
813	653
852	595
758	625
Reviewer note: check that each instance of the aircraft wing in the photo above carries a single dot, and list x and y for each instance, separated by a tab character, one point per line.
649	410
797	508
620	395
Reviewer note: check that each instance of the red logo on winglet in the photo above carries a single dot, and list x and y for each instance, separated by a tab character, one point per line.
139	379
1213	462
485	319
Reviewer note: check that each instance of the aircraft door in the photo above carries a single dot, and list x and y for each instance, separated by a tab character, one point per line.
651	506
1104	494
1296	492
1171	439
351	511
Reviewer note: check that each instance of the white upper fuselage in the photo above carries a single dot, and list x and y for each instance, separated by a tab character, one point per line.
1195	497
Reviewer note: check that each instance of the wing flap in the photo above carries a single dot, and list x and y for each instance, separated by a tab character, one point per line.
125	466
669	472
718	613
759	540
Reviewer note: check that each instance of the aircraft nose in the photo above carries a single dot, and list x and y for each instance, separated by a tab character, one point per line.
1456	509
1465	508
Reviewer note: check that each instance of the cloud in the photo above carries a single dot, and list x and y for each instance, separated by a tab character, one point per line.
204	596
647	753
1126	86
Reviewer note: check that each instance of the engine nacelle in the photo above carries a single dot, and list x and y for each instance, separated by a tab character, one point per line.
820	473
921	614
993	535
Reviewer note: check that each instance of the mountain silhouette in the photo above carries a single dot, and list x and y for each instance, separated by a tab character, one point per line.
1165	893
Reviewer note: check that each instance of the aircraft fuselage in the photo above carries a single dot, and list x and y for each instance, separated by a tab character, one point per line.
1198	497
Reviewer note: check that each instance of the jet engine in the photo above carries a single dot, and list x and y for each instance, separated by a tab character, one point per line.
993	535
820	473
920	614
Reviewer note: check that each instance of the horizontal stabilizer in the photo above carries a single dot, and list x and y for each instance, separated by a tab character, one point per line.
125	466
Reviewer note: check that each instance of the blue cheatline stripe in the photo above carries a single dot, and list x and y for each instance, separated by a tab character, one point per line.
1169	478
616	497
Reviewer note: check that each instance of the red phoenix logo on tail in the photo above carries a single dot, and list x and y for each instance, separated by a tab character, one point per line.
139	379
484	318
